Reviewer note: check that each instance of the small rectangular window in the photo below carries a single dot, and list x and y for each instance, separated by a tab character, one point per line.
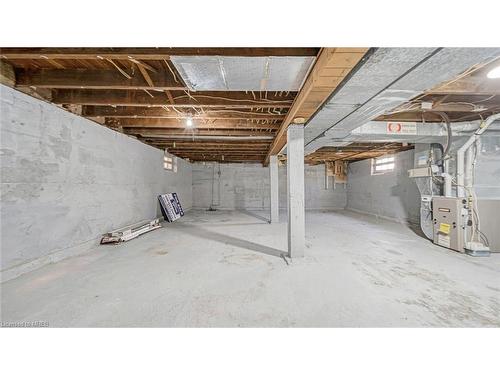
383	164
169	162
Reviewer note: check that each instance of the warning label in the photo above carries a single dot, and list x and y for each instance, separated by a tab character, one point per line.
401	128
444	228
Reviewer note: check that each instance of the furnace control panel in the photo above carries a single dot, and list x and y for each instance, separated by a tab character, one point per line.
448	217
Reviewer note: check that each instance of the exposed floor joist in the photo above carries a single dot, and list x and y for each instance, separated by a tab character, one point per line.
226	132
469	97
355	152
155	112
96	79
330	69
146	53
209	99
198	124
401	84
138	91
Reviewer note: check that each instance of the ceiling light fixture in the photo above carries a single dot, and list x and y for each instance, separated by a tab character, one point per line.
189	122
494	73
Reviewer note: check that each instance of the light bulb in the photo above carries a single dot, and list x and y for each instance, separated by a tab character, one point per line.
494	73
189	122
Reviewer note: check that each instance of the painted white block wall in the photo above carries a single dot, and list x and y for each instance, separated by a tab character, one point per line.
392	195
66	180
317	197
246	186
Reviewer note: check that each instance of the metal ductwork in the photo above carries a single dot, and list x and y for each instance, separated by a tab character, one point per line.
388	78
229	73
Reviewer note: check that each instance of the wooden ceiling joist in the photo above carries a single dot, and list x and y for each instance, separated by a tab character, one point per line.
331	67
147	132
214	151
229	159
210	150
211	99
354	152
221	152
138	91
468	97
96	79
7	74
163	53
206	144
197	124
156	112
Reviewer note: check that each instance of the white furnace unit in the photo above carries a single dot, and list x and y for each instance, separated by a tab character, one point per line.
449	220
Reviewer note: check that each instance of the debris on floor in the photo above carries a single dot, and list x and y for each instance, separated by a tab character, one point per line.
130	233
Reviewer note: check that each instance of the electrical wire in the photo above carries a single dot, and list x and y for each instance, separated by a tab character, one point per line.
475	207
124	73
231	99
446	119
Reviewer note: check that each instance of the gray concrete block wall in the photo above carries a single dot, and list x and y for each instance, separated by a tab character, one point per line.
239	186
316	196
65	180
246	186
392	195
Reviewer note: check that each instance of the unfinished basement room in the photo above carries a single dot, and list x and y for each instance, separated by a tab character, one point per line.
250	187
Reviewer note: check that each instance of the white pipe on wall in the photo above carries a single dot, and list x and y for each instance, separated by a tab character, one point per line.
326	177
461	153
468	166
447	184
447	178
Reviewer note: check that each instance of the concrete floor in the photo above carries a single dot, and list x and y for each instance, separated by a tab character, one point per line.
223	269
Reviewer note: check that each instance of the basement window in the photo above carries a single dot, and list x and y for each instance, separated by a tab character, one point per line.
169	162
383	164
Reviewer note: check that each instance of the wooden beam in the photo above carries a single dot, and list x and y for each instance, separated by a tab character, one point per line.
210	144
261	153
331	67
226	160
462	107
210	99
95	79
156	112
147	132
146	75
432	117
146	53
170	97
245	141
211	151
7	74
477	84
211	155
205	148
220	152
355	151
197	123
